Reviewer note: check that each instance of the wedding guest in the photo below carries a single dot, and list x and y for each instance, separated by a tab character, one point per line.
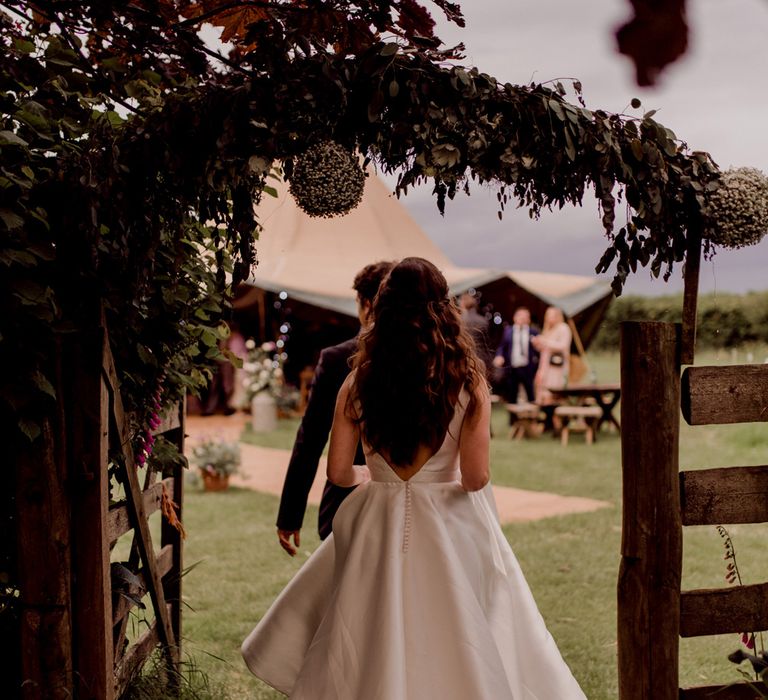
518	357
554	344
331	371
477	325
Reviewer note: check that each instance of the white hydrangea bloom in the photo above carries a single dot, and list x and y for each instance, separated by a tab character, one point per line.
739	209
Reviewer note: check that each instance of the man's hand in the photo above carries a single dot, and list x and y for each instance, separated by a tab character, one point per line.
498	361
285	540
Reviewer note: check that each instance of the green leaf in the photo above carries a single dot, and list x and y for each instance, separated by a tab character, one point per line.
209	338
389	50
11	139
23	46
11	219
570	149
375	105
42	383
30	429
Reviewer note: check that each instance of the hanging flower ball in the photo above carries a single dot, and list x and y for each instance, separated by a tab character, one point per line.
327	180
739	209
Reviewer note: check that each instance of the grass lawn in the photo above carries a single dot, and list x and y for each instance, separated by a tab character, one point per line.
571	562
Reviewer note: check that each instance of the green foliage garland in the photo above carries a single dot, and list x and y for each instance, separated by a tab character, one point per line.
154	213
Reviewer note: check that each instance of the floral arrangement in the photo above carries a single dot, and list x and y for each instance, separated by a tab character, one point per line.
739	209
262	369
327	180
217	457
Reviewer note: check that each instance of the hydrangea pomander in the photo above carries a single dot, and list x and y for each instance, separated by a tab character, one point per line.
739	209
327	180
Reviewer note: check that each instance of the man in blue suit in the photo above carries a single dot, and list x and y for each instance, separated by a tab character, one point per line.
518	357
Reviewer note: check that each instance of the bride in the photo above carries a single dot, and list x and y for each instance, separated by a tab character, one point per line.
417	594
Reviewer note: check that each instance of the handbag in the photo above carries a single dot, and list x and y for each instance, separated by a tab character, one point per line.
557	359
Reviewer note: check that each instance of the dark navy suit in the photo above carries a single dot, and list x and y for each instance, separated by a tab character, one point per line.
513	377
331	371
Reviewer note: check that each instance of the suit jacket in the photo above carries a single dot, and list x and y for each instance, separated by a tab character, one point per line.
330	373
505	349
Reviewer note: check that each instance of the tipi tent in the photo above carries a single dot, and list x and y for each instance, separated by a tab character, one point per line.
306	267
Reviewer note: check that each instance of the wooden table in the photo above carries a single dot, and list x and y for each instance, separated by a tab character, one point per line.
605	395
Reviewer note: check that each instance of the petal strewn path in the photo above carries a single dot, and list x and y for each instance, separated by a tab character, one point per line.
263	469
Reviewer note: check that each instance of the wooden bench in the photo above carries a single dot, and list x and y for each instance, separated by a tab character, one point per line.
525	420
581	418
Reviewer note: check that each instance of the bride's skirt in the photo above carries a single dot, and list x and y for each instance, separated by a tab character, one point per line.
416	596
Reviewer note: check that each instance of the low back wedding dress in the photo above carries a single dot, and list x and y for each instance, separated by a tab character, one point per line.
416	596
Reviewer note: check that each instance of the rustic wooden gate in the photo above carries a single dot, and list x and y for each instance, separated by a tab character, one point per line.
70	603
659	500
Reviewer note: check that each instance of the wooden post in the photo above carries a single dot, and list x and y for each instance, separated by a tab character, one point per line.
170	535
42	512
88	434
651	548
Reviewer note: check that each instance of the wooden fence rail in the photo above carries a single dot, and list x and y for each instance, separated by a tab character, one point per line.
659	500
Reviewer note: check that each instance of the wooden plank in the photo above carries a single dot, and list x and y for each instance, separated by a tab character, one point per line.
170	536
136	508
725	495
690	297
43	542
723	610
135	657
651	548
119	520
134	559
88	442
736	691
718	395
121	604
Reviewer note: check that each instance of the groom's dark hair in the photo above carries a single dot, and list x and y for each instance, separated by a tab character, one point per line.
369	279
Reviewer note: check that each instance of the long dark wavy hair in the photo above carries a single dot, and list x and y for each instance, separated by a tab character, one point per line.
412	362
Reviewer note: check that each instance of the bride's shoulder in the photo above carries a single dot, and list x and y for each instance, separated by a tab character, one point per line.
475	399
348	396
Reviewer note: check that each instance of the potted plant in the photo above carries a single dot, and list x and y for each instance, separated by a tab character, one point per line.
263	370
216	460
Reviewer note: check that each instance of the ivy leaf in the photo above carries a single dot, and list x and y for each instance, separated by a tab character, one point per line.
11	219
8	138
375	105
30	429
570	149
42	383
388	50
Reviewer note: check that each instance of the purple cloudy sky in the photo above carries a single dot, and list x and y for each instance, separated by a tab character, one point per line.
715	99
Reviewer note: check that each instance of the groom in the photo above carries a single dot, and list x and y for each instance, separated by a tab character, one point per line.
331	371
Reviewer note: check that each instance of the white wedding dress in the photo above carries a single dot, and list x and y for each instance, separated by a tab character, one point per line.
416	596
